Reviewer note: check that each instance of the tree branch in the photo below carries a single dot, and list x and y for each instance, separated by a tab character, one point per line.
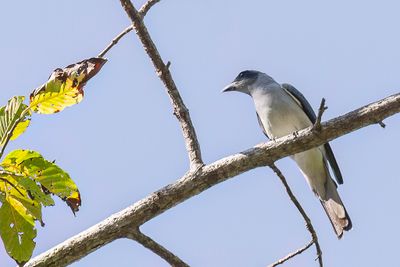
146	7
291	255
321	110
115	40
180	110
156	248
143	11
309	226
193	183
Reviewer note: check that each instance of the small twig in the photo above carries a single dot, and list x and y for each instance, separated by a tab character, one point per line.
180	110
149	243
115	40
168	64
291	255
146	7
143	11
309	225
382	124
321	110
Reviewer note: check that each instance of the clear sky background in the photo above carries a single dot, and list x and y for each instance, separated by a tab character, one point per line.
122	142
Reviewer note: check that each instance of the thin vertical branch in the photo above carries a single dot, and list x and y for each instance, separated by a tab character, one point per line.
309	225
321	110
180	110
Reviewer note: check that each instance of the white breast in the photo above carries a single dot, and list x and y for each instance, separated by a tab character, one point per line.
278	112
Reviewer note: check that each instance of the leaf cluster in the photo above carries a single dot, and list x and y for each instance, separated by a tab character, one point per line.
28	181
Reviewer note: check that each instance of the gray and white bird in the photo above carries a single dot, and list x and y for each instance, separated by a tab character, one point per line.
282	110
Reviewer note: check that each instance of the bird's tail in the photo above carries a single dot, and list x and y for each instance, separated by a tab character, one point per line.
335	209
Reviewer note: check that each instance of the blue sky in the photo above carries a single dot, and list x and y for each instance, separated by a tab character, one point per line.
122	142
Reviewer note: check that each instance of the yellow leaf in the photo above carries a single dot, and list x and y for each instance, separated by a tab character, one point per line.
20	128
65	86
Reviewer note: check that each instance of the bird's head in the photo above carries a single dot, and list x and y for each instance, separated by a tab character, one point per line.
248	80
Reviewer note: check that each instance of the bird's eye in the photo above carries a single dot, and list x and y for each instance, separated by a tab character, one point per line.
246	75
242	74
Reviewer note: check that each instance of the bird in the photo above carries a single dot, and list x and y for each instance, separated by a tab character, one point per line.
282	110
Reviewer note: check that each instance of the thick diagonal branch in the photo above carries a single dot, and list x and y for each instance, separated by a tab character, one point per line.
180	110
309	225
194	183
149	243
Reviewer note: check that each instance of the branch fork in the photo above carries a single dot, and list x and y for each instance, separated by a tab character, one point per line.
162	69
309	226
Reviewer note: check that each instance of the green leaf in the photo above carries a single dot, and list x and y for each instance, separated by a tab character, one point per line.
26	207
26	186
13	119
51	177
35	192
18	195
17	230
65	86
26	181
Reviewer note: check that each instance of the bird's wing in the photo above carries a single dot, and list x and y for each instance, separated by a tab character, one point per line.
300	100
303	103
262	126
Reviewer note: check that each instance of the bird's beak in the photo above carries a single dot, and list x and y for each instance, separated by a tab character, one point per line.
230	87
